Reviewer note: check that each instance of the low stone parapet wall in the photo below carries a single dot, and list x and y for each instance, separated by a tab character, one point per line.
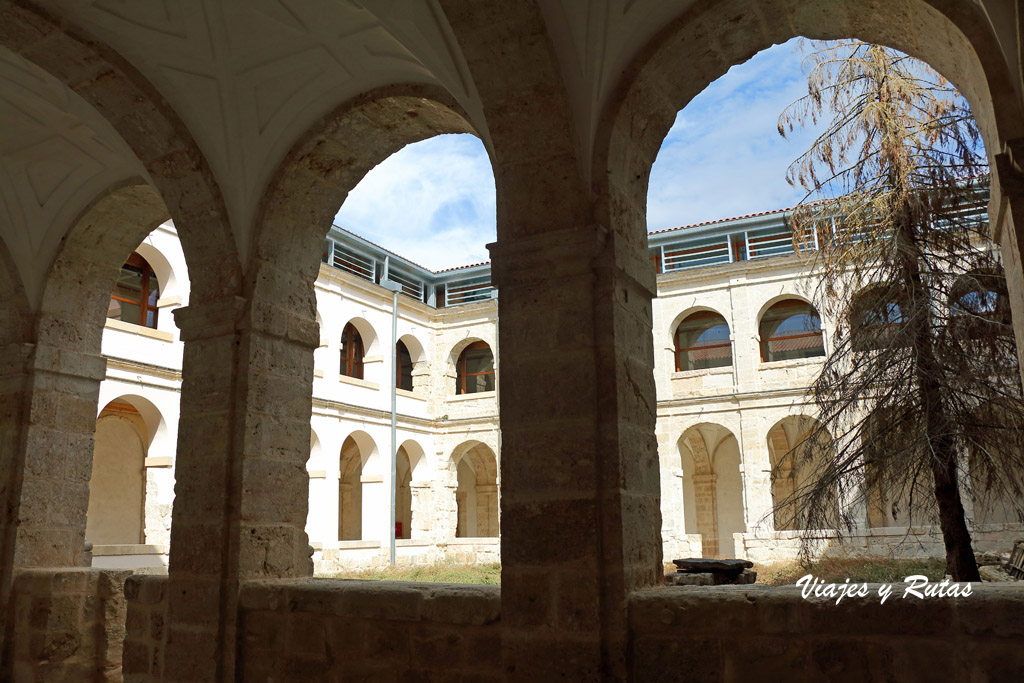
146	632
366	555
923	541
734	634
68	625
332	629
681	547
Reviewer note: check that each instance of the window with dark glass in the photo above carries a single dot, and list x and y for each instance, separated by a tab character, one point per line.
475	369
135	294
702	341
790	330
351	352
980	305
403	375
876	321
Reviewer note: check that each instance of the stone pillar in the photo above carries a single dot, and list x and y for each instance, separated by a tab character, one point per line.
344	509
57	445
15	359
487	510
705	492
422	508
376	501
757	480
580	506
48	408
421	378
1006	212
242	491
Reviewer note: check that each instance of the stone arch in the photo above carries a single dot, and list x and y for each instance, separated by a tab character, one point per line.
686	313
702	343
417	350
413	371
455	367
15	313
795	458
154	132
412	497
786	328
165	275
77	291
359	461
371	340
117	485
712	487
673	68
476	471
315	177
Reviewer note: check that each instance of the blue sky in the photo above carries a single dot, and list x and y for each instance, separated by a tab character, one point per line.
433	201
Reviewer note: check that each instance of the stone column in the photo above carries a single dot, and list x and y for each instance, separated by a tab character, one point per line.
47	420
1006	212
757	480
704	491
421	378
242	491
61	391
486	510
376	501
580	508
422	508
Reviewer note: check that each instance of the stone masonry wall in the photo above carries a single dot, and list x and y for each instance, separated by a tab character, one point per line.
68	625
320	629
145	631
923	541
732	634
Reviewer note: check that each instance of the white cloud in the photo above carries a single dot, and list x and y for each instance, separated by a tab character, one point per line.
433	202
723	156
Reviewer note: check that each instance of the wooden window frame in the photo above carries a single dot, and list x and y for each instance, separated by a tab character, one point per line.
398	366
460	367
781	305
137	264
352	363
701	315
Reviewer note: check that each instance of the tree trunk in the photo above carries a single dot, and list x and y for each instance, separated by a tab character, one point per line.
960	562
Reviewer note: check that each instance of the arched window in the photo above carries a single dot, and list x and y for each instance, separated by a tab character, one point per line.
135	294
351	352
791	329
876	321
475	369
702	341
403	374
980	305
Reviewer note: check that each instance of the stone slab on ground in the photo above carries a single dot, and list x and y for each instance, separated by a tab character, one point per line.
696	564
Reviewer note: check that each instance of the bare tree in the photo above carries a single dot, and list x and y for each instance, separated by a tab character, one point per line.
920	398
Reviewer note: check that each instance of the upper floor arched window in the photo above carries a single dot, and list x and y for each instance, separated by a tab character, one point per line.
702	341
980	305
135	294
475	369
791	329
351	352
403	373
876	320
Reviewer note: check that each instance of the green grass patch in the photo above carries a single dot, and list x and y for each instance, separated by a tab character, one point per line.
859	570
438	573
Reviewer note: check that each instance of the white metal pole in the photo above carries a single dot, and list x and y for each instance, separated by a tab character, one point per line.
394	414
387	283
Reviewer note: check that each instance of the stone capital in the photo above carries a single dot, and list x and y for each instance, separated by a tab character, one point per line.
1007	184
69	363
209	319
